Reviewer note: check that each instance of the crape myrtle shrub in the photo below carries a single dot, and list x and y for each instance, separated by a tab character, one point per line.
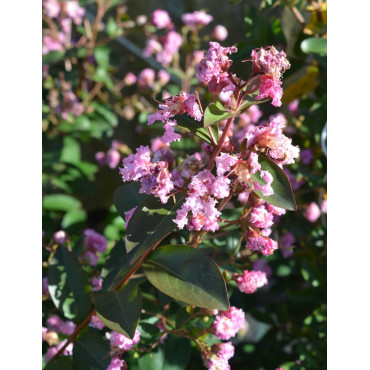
184	198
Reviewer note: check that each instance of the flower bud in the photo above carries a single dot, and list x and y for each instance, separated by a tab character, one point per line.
51	338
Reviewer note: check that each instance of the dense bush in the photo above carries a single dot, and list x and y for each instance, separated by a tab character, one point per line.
184	187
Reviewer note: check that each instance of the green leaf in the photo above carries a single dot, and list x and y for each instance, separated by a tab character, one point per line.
74	216
150	223
283	195
91	352
71	151
104	111
248	102
60	363
120	310
69	285
316	45
101	55
115	267
52	57
60	202
192	126
187	274
176	353
215	112
127	197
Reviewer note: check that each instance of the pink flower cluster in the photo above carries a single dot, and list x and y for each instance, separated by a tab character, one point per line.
60	236
55	323
119	342
154	177
271	64
250	281
228	323
214	68
116	364
270	140
199	211
176	105
161	19
70	105
219	356
197	19
52	351
94	243
312	212
96	323
113	155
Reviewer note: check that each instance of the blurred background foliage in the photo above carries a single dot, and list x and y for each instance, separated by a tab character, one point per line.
287	318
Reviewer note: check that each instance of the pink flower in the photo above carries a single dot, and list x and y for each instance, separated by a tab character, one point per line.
129	79
152	47
164	154
96	323
52	44
120	341
171	45
215	65
44	331
113	158
228	323
196	19
96	283
51	8
270	88
250	281
170	135
52	351
60	237
223	350
266	189
287	239
220	33
243	197
293	107
198	55
70	105
224	162
129	214
94	241
74	11
54	322
270	61
90	257
67	327
100	158
275	210
312	213
136	165
271	136
221	187
261	244
116	364
176	105
146	78
161	19
260	217
163	77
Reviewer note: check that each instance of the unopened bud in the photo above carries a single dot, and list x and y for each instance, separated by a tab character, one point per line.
51	338
254	200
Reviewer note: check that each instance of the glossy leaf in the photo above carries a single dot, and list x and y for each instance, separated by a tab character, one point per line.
195	128
69	285
60	363
127	197
215	112
91	352
120	310
150	223
317	45
115	267
248	102
152	360
187	274
283	195
176	353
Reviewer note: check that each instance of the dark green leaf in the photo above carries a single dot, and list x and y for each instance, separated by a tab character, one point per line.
91	352
187	274
68	285
127	197
176	353
248	102
215	112
317	45
149	224
52	57
60	202
194	127
120	310
60	363
115	267
283	195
